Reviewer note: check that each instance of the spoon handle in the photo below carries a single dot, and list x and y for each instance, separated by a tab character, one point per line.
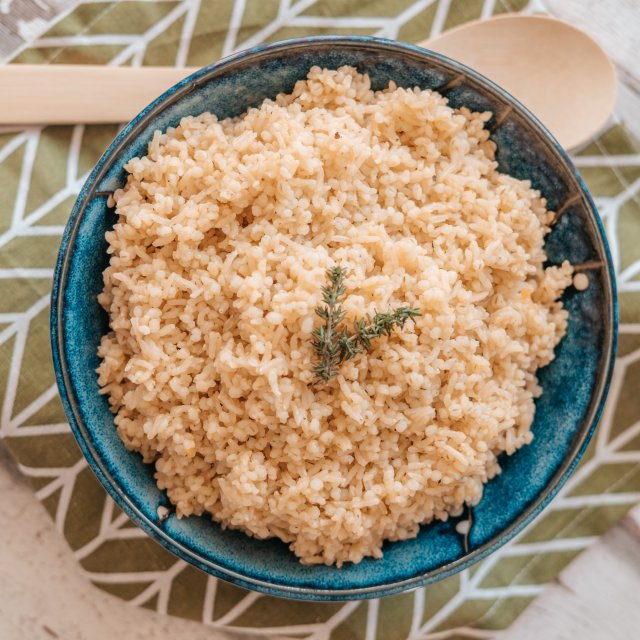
71	94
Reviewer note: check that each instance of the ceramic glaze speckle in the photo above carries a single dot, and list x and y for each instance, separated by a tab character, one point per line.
574	383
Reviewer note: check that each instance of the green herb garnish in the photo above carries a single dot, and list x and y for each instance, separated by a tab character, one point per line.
334	345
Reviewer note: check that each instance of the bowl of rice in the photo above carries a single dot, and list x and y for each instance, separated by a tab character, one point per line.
333	318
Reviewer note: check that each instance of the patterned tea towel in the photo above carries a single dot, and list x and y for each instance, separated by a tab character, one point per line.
41	172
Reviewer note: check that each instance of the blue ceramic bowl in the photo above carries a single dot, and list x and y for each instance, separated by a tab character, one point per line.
575	383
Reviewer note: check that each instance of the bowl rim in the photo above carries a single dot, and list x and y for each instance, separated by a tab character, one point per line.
83	435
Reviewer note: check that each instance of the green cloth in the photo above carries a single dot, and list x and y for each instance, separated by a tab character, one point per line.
41	172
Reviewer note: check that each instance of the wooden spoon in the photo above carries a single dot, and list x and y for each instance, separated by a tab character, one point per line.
556	70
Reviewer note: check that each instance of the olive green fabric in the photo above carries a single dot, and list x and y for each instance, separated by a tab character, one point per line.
41	172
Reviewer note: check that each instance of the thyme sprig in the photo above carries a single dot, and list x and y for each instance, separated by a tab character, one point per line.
327	343
334	345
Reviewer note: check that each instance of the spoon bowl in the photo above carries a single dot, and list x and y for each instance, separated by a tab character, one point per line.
556	70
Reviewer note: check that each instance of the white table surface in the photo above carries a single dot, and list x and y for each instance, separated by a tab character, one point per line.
44	596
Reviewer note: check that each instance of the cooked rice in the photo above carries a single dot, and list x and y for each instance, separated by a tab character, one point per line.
225	232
